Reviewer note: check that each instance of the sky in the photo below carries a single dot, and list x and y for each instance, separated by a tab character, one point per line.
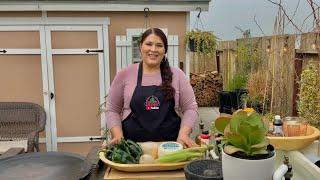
224	15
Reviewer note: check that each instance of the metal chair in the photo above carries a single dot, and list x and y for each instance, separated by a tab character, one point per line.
22	120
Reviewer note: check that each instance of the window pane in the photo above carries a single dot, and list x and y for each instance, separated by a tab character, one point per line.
135	49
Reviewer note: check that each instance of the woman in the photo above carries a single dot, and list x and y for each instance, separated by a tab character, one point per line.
146	96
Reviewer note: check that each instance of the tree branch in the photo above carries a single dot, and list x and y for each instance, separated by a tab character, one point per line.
254	18
311	3
284	12
294	13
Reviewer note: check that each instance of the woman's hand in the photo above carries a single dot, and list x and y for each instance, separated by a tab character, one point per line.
117	135
183	137
186	141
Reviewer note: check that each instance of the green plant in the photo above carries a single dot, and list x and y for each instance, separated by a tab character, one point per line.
243	132
204	42
249	56
237	82
309	95
269	116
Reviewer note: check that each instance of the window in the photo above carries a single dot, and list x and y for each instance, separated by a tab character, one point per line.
135	49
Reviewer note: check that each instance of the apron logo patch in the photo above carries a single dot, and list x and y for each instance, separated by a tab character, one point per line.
152	102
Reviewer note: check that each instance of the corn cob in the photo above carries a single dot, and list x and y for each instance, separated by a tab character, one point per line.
201	149
184	155
179	157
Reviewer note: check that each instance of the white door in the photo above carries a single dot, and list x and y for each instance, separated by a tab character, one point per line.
66	62
23	69
75	57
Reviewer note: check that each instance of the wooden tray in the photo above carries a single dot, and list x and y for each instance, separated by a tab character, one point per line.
113	174
142	167
295	142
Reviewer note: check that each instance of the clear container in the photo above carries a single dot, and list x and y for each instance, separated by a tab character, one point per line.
294	126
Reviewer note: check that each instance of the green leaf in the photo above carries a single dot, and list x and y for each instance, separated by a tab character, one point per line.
263	144
260	151
229	149
244	130
238	141
257	136
236	119
221	123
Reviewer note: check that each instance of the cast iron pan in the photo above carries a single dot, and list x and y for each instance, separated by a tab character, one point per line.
44	166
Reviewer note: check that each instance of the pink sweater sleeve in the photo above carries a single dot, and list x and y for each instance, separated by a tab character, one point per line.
187	101
115	101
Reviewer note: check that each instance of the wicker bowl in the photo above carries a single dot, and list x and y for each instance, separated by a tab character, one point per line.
203	170
295	142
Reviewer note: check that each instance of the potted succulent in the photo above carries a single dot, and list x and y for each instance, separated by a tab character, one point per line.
245	150
201	42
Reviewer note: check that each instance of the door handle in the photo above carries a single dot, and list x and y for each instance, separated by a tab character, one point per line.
51	95
89	51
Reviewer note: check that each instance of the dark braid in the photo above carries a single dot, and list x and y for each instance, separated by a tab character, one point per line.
166	73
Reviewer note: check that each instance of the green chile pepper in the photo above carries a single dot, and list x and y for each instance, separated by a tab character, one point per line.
126	152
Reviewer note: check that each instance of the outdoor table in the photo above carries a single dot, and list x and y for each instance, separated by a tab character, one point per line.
100	171
15	164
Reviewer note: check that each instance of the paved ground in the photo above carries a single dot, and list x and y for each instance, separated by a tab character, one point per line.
207	115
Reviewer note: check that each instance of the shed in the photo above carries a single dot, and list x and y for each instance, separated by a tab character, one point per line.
64	54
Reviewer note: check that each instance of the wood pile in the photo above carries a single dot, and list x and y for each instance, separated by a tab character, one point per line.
206	87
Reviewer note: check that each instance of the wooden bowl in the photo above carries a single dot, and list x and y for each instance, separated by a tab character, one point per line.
295	142
142	167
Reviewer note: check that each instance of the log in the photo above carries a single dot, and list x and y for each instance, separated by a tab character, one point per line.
206	87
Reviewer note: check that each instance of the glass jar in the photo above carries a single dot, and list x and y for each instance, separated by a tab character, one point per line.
295	126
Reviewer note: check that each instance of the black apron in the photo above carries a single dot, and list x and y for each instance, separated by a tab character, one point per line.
152	118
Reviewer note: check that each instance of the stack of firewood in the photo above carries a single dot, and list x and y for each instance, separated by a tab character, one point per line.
206	88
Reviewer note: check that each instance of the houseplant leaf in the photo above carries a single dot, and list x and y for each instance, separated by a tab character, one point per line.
229	149
236	119
238	140
221	123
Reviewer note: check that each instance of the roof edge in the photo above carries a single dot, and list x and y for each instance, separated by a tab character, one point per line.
102	6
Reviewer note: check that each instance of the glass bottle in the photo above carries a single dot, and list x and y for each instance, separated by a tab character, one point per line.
277	126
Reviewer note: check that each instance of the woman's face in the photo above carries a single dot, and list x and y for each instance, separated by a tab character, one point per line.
152	50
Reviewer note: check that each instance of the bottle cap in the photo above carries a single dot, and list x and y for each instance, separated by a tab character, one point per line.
201	125
205	132
204	136
277	117
277	122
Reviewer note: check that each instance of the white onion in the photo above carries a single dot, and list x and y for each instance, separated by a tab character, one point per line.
146	159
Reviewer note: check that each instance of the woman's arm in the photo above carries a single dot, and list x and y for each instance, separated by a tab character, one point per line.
114	107
189	110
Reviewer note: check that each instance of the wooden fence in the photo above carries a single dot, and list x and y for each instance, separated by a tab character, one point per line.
283	56
200	64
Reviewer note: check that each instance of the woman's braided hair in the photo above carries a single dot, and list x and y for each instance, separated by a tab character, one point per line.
166	73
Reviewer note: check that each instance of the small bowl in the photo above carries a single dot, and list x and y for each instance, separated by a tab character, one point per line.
295	142
203	170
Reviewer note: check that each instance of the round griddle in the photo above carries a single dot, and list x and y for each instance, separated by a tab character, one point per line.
44	166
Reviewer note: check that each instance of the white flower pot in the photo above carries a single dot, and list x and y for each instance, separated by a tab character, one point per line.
243	169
